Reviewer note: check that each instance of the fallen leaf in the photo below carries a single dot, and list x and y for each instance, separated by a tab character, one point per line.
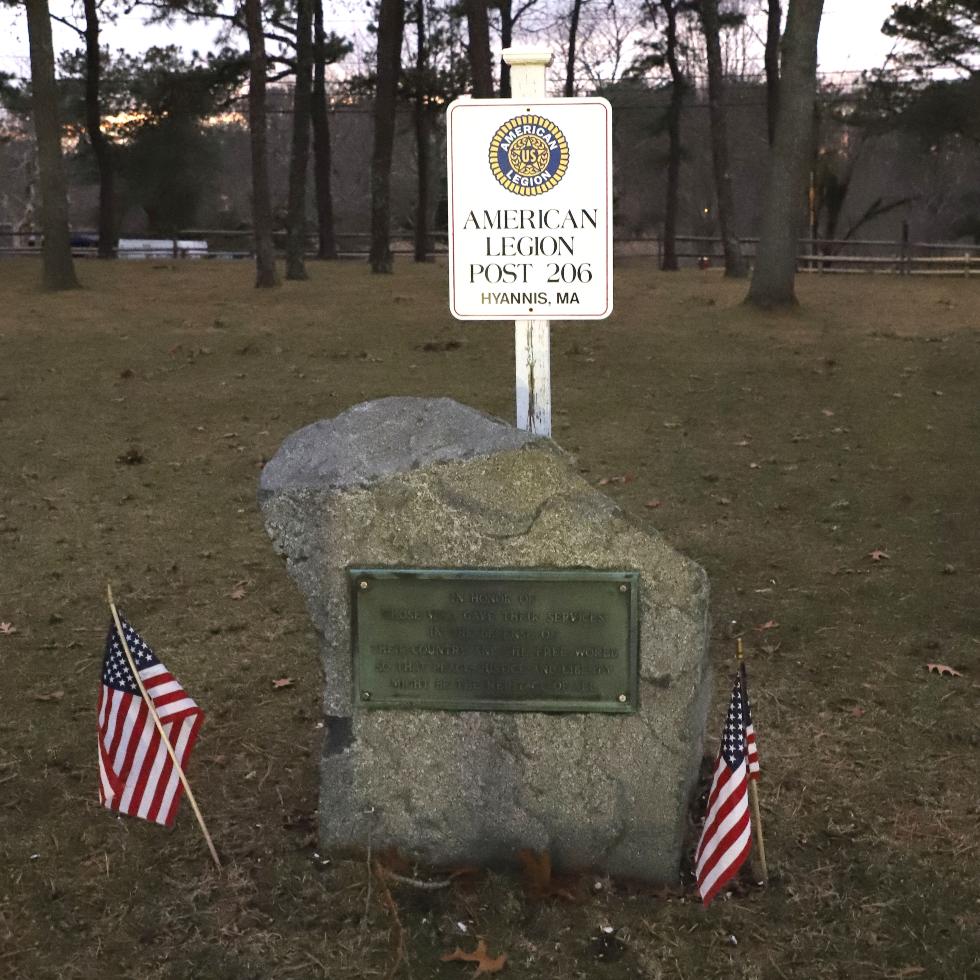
827	411
769	624
943	669
878	555
480	956
283	682
7	629
53	696
653	504
625	478
538	880
857	712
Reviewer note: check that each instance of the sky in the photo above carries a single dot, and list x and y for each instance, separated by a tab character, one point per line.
850	34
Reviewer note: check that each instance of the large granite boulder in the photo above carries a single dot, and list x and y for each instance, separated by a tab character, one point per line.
432	483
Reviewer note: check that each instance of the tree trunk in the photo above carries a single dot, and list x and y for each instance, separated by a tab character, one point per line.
775	264
674	136
572	38
421	136
327	243
265	255
478	45
300	158
58	268
391	22
735	266
97	139
773	30
506	37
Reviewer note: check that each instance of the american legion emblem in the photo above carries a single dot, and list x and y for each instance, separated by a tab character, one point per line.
528	155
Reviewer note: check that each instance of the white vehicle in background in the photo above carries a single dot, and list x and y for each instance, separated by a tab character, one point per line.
161	248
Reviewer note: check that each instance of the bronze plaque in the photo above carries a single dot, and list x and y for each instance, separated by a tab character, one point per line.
495	639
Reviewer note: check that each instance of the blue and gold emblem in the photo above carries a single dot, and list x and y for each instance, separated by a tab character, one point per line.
528	155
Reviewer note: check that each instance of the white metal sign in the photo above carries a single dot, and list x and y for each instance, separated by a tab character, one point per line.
530	209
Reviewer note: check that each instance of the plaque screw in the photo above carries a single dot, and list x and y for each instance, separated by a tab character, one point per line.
624	588
622	698
365	695
363	583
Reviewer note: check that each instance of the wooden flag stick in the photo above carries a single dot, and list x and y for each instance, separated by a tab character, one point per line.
754	795
156	721
754	800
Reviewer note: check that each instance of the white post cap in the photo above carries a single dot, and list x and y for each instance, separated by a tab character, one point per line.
527	55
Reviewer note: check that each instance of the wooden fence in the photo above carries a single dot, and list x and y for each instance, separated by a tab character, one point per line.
819	256
829	256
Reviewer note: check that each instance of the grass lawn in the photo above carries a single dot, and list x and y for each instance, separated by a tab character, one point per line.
779	451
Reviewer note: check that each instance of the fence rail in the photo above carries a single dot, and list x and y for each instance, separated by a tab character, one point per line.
820	256
828	255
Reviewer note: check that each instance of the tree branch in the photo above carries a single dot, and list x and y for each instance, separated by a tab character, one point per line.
521	11
67	23
875	210
169	10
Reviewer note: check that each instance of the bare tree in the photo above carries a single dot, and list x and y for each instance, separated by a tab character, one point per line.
774	25
320	117
421	134
678	88
509	17
92	106
58	267
300	158
604	48
391	24
97	139
265	256
478	46
775	265
735	266
572	40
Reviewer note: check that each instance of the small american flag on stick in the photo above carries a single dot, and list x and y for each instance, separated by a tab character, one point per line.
137	775
727	836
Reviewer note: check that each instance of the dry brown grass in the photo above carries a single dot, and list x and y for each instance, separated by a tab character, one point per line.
783	449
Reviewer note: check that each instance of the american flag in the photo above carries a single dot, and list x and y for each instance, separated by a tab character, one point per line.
750	743
727	838
136	773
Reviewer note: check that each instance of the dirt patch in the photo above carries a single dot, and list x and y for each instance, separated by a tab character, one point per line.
778	451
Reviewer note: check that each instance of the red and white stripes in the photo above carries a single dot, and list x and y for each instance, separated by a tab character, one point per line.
136	774
727	836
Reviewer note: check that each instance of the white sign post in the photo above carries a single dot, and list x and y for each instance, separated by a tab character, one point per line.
530	218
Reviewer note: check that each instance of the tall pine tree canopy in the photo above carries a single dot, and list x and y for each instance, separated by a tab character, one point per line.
942	33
